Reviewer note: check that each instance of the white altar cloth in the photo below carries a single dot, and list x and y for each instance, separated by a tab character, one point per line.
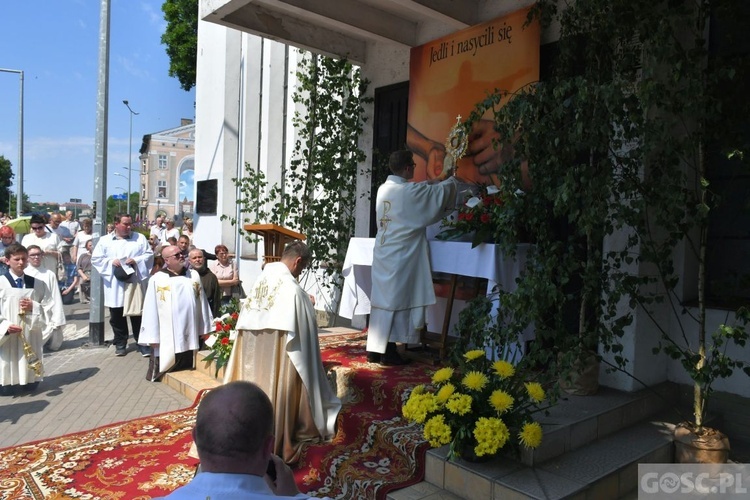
455	257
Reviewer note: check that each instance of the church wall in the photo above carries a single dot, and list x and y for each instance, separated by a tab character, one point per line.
216	148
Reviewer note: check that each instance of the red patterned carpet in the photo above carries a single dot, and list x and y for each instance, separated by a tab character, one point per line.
374	451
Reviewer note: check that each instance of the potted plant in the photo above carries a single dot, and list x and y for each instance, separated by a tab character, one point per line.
479	406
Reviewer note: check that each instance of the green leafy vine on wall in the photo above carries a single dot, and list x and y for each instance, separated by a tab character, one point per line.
318	195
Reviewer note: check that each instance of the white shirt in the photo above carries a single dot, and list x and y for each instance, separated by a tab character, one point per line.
72	226
110	248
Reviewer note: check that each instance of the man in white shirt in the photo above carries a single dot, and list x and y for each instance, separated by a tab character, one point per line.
234	436
66	237
71	225
158	230
122	257
401	275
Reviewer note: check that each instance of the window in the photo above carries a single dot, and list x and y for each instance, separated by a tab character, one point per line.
144	166
161	189
163	162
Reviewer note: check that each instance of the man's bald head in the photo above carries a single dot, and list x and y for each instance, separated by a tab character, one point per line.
234	424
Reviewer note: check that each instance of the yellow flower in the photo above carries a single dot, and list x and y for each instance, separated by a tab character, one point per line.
531	435
418	406
445	392
491	435
437	432
535	391
418	389
503	369
460	404
475	381
501	401
442	375
474	354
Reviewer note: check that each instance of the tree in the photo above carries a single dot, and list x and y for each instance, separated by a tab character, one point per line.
181	39
6	175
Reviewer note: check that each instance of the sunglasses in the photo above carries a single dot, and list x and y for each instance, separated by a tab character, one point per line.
37	228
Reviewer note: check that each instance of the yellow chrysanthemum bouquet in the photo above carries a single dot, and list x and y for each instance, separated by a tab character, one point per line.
479	407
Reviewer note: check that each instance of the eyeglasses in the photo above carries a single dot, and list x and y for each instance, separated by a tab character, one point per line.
177	256
37	228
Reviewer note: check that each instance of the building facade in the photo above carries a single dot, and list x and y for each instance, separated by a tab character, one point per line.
167	171
247	58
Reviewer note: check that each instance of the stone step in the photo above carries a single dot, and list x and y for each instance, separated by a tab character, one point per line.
190	382
576	421
606	468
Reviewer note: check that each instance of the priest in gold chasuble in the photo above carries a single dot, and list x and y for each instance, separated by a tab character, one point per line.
277	348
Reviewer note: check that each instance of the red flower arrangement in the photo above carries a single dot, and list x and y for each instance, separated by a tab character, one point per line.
220	342
476	217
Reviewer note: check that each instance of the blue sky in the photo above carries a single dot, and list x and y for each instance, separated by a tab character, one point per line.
56	44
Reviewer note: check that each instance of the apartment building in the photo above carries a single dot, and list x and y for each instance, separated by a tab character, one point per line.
167	172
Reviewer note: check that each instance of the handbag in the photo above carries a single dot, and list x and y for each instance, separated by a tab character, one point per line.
133	300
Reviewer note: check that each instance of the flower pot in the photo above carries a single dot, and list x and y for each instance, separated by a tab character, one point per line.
583	379
707	447
466	452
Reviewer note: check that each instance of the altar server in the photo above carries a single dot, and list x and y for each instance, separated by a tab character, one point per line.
52	303
21	324
401	275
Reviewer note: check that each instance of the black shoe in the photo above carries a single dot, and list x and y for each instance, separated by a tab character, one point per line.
120	351
394	360
144	350
373	357
152	374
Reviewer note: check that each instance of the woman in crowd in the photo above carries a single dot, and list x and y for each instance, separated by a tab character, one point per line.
7	236
83	268
187	228
225	271
82	236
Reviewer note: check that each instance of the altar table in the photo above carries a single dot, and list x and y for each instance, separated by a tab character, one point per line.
453	257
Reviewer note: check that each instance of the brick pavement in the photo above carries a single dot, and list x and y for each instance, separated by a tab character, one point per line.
84	388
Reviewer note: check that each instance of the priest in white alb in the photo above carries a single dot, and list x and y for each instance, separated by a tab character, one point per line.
277	348
175	315
401	274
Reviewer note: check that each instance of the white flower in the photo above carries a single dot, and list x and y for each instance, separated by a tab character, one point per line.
473	202
493	189
519	192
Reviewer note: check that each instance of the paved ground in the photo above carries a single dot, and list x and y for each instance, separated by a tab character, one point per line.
84	388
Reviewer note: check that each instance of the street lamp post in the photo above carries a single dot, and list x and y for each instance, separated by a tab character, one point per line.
130	150
19	195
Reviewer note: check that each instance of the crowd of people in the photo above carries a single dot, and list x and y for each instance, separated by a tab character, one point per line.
165	293
57	255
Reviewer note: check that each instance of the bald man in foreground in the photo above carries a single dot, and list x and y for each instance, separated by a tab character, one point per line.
234	436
